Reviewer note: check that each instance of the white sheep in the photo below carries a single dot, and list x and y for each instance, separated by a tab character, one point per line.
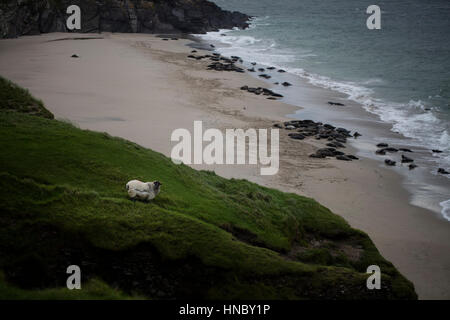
143	190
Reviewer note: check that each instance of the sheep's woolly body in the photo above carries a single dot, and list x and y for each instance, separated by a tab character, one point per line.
142	190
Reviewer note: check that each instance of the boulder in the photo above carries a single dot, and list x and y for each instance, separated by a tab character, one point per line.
389	162
343	158
297	136
405	159
331	103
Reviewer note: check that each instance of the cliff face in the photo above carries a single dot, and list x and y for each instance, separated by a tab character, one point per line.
30	17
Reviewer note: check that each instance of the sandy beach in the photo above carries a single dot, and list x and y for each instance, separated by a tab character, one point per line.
141	88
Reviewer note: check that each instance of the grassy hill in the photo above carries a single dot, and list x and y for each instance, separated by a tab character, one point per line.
63	202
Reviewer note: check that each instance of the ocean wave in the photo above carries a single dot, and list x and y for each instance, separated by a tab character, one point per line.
249	48
373	81
413	120
445	209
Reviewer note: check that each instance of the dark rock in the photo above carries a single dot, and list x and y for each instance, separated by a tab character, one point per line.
443	171
277	125
265	76
286	84
335	103
335	145
261	69
194	51
412	166
271	68
251	70
436	151
297	136
277	95
343	158
344	132
281	71
219	66
405	159
253	63
74	56
244	88
390	162
326	152
382	145
356	135
352	157
405	150
384	150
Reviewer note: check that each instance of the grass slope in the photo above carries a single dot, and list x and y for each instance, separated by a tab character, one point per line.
62	202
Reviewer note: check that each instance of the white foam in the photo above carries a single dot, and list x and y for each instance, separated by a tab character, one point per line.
445	209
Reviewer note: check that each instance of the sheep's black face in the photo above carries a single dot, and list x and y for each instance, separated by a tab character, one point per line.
157	184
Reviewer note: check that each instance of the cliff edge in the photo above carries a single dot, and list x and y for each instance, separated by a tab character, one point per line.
31	17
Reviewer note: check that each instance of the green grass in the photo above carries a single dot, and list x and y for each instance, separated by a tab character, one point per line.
63	201
14	98
93	290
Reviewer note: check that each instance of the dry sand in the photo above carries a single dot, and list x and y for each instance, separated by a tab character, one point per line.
141	88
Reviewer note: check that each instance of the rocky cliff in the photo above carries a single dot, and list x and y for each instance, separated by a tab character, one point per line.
30	17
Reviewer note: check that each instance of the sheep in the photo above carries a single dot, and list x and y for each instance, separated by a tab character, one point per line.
143	190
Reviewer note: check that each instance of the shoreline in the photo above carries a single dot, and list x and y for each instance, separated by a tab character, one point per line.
159	90
428	189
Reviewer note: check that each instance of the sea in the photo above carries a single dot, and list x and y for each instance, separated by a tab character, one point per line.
399	74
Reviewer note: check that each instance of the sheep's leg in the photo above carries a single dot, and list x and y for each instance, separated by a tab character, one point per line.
132	194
